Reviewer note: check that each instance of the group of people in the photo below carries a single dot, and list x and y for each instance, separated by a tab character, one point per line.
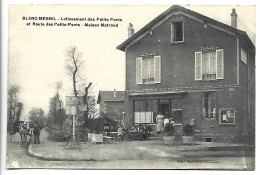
29	130
143	133
162	120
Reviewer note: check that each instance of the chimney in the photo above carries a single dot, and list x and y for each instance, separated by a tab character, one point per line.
114	92
234	18
130	30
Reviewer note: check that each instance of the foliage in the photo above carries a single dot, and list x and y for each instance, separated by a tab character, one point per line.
56	109
188	130
14	107
169	129
37	114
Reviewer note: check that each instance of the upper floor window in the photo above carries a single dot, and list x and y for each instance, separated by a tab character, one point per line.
209	65
177	32
148	70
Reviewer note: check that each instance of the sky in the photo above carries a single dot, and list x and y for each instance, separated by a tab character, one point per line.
36	54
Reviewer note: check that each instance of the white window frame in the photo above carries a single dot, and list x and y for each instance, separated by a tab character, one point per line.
160	69
155	71
196	78
222	77
141	74
201	66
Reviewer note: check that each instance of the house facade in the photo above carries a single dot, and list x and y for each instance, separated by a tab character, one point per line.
111	108
194	70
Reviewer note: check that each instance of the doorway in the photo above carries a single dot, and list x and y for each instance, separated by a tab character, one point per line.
164	107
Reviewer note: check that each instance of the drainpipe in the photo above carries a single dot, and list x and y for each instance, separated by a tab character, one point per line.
238	59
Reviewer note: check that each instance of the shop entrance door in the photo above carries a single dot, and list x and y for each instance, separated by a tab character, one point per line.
164	107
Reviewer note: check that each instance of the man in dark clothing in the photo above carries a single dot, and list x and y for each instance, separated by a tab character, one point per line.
36	133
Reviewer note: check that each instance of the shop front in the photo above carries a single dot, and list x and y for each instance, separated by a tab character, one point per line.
147	107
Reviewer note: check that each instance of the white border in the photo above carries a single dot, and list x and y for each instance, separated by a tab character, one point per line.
4	55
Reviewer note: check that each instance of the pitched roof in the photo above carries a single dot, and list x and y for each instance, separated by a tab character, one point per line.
109	96
176	8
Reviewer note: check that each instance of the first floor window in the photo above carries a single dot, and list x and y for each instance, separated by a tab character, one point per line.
209	65
148	70
209	105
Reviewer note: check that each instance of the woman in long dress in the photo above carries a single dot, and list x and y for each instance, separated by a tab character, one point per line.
159	119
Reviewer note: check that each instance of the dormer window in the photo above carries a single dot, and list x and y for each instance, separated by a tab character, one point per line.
177	32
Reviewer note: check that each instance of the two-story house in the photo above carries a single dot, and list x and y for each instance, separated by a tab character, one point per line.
195	69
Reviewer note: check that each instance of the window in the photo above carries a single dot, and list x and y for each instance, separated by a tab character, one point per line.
209	65
148	70
177	32
244	56
145	111
176	110
209	105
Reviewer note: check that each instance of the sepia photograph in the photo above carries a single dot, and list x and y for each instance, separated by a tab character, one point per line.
130	87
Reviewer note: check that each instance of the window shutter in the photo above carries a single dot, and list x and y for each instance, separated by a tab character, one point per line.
139	70
198	65
220	64
172	33
157	69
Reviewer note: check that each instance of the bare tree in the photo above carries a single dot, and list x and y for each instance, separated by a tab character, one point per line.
73	66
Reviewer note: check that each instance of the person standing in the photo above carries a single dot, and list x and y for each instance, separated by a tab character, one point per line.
120	132
36	133
159	119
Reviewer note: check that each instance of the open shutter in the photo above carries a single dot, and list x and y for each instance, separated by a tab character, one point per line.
172	32
139	70
157	69
220	64
198	65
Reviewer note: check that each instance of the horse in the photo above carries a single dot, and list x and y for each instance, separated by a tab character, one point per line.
23	130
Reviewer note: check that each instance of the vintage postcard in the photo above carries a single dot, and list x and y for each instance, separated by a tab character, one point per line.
131	87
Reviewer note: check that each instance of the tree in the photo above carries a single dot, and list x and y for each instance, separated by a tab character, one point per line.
14	107
56	109
37	114
74	64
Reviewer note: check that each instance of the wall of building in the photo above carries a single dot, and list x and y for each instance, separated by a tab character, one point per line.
112	108
247	94
178	60
177	70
